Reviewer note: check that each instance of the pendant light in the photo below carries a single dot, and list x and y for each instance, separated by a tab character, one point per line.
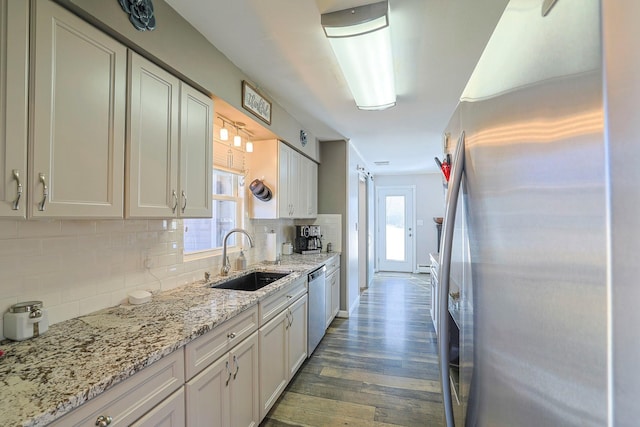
237	139
224	132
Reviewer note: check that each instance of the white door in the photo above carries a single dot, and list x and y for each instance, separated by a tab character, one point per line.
14	51
196	134
396	229
152	140
78	138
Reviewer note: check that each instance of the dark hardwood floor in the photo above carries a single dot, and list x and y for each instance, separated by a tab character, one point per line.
377	368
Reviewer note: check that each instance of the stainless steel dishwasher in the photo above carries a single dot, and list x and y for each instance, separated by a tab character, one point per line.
316	308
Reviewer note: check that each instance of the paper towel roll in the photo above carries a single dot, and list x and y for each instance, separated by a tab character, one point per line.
271	247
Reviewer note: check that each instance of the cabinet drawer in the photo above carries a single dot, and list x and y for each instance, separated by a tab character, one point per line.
277	302
131	399
333	264
203	351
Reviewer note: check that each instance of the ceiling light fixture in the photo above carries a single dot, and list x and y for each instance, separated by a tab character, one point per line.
224	133
237	139
361	41
248	146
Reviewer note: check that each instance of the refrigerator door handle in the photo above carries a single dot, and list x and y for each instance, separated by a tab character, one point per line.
445	270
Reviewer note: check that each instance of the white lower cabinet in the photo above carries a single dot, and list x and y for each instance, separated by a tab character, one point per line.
139	399
283	349
226	392
332	289
169	413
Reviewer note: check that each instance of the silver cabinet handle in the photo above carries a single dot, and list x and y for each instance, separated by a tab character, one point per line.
235	362
228	371
45	191
290	317
445	270
174	195
16	202
103	421
184	197
286	325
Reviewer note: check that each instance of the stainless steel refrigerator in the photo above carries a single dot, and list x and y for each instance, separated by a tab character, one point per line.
538	320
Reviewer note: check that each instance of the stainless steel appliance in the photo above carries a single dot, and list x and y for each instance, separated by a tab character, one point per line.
317	323
308	239
538	281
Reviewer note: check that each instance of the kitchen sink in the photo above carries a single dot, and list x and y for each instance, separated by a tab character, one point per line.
251	282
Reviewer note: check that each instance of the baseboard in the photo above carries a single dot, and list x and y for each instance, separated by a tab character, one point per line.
343	314
423	268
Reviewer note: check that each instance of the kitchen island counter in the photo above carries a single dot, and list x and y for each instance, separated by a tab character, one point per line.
44	378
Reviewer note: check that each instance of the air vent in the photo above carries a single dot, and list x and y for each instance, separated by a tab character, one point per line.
382	163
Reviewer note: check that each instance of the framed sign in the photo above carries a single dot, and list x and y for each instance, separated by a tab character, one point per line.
255	103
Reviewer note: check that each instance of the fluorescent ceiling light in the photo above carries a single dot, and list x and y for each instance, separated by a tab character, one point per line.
361	41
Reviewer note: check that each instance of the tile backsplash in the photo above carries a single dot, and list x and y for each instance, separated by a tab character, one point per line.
79	266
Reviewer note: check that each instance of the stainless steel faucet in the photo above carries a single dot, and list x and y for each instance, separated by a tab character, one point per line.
226	266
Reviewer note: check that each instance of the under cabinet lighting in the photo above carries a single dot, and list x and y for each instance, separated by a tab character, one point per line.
361	41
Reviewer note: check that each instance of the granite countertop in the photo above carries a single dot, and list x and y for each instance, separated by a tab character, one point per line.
46	377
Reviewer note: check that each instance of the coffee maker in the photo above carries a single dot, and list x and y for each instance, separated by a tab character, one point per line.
307	239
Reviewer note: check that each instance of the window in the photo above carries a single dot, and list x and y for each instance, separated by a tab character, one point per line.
204	236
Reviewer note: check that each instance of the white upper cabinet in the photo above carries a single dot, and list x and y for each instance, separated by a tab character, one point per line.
14	54
196	137
292	178
152	141
78	118
169	145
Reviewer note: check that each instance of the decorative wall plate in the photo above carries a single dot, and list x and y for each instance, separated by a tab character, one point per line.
140	14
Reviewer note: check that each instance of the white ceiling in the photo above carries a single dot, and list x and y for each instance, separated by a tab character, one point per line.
280	45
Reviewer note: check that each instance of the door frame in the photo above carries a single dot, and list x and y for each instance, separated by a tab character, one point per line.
378	220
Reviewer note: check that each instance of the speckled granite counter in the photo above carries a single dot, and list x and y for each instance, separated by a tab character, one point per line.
44	378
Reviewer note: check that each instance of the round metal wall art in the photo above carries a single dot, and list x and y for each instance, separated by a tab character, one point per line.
140	14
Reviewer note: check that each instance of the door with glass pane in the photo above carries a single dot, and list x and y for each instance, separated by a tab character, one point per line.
396	245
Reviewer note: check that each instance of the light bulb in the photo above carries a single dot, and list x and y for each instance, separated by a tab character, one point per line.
224	134
237	141
249	147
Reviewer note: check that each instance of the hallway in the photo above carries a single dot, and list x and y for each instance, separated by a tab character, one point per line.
377	368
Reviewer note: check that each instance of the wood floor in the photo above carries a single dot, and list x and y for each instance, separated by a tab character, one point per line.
377	368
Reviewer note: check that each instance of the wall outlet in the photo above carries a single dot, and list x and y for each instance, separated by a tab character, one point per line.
148	262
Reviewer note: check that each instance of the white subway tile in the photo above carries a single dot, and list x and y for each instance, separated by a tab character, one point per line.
39	228
109	226
8	228
78	227
94	303
62	312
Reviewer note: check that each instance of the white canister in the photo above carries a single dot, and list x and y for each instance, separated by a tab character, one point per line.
25	320
287	248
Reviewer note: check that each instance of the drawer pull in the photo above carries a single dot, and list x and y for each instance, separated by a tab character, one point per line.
103	421
231	335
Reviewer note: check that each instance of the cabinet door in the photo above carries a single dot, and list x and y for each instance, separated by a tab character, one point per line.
207	396
273	361
295	184
284	181
328	298
152	141
335	293
297	345
196	160
169	413
78	126
14	54
312	189
244	387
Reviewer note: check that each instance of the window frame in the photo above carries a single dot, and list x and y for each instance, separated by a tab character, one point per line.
240	201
